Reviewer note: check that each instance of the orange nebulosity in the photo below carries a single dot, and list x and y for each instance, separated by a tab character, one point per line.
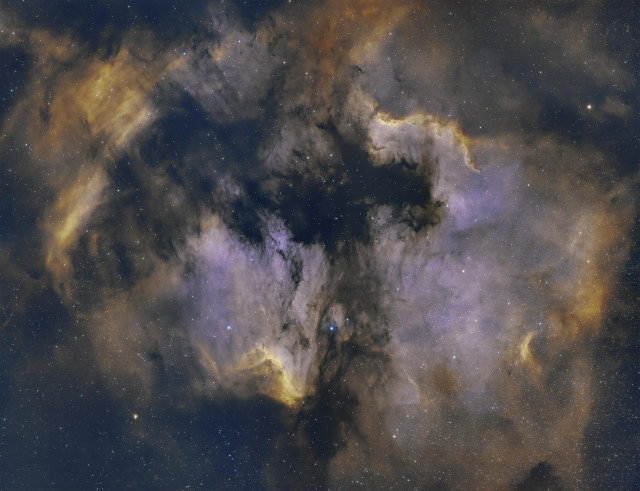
103	102
341	32
384	129
596	243
258	371
76	121
532	366
69	213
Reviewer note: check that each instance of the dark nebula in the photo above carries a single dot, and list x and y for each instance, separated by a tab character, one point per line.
319	244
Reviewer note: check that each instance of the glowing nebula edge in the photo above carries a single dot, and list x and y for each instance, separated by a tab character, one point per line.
319	245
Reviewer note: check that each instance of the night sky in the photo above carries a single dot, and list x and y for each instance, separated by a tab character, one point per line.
319	244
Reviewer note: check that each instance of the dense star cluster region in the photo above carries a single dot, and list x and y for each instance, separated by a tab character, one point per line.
319	244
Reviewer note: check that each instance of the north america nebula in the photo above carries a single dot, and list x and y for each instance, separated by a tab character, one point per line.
319	244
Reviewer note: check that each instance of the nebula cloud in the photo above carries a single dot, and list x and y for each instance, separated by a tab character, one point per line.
318	245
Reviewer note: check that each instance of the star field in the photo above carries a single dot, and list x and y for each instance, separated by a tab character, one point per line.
319	244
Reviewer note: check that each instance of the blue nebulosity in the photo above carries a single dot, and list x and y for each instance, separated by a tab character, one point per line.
67	422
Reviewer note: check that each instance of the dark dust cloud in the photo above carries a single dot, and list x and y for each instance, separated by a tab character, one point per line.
317	244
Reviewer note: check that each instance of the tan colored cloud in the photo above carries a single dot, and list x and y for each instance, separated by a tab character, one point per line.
489	314
65	219
338	34
79	114
96	107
